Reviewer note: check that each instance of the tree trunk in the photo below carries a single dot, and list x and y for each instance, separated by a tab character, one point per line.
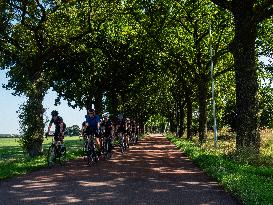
177	116
114	103
31	121
98	102
189	117
243	50
89	102
202	100
181	119
172	123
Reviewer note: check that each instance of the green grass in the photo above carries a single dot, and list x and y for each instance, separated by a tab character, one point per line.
14	161
250	183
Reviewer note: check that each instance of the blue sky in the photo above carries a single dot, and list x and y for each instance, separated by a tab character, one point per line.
9	104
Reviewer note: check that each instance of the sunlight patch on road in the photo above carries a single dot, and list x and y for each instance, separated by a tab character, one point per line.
41	185
113	183
17	186
192	183
92	184
36	198
35	185
170	170
105	195
72	199
160	190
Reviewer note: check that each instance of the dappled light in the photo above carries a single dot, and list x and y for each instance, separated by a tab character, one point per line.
152	172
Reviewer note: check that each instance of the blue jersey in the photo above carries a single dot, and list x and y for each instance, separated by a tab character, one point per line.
92	121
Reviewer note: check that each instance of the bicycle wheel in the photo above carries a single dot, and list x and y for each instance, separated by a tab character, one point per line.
136	138
62	158
108	153
84	150
51	156
92	157
122	146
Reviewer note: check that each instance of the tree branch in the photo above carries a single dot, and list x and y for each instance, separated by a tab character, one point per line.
264	11
224	4
224	71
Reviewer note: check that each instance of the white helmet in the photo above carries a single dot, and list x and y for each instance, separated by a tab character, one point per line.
106	114
120	116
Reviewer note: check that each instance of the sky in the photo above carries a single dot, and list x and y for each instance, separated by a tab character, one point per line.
9	104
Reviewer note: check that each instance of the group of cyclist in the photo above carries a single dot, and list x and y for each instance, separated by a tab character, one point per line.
100	128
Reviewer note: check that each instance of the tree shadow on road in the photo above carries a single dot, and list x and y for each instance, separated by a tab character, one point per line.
152	172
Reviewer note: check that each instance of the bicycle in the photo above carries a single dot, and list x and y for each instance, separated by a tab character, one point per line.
56	152
84	146
122	142
134	138
106	144
91	151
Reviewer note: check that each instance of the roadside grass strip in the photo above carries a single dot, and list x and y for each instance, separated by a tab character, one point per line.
250	184
15	162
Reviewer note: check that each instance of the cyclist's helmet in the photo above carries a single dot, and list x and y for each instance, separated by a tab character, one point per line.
106	114
120	117
54	113
91	111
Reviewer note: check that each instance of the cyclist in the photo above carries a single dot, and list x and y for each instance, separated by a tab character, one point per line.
106	123
121	127
92	123
134	131
128	131
84	132
59	126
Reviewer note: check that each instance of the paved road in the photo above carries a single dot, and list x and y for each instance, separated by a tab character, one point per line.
153	172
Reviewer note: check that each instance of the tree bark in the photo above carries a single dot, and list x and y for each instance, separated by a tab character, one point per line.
202	101
31	121
98	101
181	119
172	122
243	50
189	117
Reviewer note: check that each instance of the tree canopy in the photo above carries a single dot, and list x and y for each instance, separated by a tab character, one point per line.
141	58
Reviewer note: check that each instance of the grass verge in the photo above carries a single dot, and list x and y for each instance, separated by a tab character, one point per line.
249	183
18	163
14	162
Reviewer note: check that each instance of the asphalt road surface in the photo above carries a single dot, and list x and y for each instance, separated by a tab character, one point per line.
152	172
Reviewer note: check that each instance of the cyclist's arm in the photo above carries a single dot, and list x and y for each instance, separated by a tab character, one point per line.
111	129
61	127
98	121
84	127
49	127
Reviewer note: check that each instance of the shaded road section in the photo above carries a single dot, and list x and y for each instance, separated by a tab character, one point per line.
152	172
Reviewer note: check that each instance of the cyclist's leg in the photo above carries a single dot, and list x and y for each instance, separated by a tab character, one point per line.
126	135
56	137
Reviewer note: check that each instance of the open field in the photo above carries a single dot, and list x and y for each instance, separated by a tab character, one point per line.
13	160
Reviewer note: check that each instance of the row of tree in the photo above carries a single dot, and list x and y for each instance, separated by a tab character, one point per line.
141	58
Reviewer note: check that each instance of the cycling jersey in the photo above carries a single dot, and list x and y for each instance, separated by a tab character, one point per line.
57	122
108	126
121	126
92	121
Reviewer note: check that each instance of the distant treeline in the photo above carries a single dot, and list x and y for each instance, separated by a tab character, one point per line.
9	135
